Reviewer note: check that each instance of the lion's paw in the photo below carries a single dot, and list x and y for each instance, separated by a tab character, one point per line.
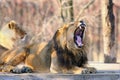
89	70
22	70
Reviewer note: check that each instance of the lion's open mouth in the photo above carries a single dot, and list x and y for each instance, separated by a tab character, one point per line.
78	36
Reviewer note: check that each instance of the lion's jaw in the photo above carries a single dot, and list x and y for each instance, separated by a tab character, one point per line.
79	34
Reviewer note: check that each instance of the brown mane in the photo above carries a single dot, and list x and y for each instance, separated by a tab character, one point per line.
69	58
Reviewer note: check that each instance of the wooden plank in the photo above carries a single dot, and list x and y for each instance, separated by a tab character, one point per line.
48	76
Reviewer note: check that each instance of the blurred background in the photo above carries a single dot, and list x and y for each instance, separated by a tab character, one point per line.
42	18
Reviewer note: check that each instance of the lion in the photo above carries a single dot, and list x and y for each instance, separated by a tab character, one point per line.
64	53
10	34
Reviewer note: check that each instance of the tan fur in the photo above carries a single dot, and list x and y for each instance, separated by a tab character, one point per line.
44	57
33	55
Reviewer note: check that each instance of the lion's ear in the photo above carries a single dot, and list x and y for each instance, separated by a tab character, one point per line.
9	25
12	25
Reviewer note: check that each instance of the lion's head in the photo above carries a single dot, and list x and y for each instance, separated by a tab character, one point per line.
70	44
10	33
76	36
72	35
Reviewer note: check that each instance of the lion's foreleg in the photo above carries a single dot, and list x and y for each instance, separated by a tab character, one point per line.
14	61
4	57
17	59
77	70
82	70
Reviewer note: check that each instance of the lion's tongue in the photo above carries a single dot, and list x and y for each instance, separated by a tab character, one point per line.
79	41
